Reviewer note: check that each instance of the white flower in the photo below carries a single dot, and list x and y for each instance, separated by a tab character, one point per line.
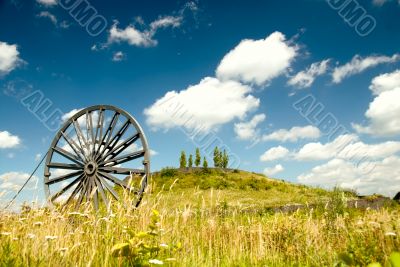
50	237
390	234
156	262
164	245
30	236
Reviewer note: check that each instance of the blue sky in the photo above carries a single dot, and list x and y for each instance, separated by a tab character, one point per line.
237	68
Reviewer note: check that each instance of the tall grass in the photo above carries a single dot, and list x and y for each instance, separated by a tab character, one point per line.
210	231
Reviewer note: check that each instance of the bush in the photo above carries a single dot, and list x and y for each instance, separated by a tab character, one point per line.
168	172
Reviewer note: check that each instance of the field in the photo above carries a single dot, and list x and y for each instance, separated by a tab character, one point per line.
208	219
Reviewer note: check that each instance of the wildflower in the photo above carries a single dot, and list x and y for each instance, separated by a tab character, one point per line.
390	234
164	245
30	236
156	262
50	237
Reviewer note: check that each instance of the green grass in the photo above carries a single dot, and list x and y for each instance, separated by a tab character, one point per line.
206	219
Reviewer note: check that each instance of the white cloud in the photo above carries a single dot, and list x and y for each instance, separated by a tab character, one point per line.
153	152
48	15
8	140
9	58
385	82
203	106
359	64
247	130
274	170
383	112
118	56
131	35
294	134
347	147
47	2
69	114
144	38
382	177
14	180
305	78
258	61
275	153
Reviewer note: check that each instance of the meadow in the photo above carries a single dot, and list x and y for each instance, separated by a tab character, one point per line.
208	218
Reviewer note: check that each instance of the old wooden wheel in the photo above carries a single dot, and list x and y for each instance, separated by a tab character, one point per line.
98	156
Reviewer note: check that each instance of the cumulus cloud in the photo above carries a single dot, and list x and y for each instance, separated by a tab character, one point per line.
347	147
69	114
274	170
359	64
145	38
208	104
383	112
247	130
8	140
294	134
47	3
12	181
258	61
384	179
274	153
9	58
385	82
306	78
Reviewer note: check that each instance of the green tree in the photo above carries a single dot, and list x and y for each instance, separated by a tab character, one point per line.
225	160
197	160
205	164
217	158
190	161
182	160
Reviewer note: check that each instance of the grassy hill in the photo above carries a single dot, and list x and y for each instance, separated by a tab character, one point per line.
240	189
213	218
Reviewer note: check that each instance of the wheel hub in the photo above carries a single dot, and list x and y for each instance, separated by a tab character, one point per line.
91	168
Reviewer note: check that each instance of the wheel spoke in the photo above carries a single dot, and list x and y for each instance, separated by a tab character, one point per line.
76	190
63	190
68	155
108	133
99	128
114	141
115	180
74	146
101	190
126	171
64	177
64	166
81	138
83	192
89	126
121	147
109	188
123	159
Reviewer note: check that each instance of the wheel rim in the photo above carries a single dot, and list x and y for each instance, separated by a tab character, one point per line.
98	150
